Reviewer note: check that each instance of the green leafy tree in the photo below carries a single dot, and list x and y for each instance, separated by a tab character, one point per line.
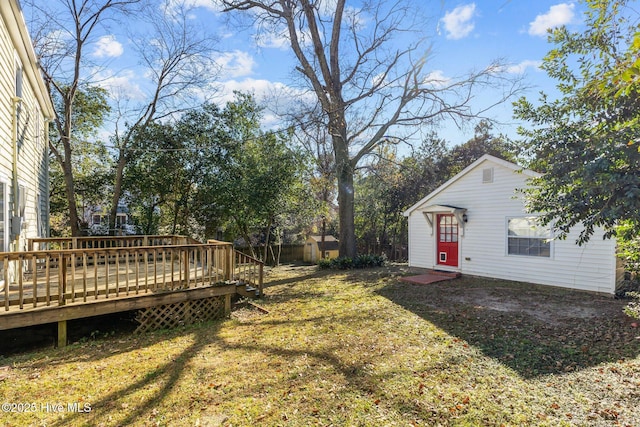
586	141
483	142
81	161
60	38
169	163
388	186
260	187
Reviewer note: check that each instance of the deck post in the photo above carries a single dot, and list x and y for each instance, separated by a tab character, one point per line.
62	333
227	305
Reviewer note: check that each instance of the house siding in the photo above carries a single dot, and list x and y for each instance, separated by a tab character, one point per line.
32	150
483	247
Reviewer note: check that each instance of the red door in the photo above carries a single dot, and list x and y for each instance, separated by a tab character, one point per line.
447	240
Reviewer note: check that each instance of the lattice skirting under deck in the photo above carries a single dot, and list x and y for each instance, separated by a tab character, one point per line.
179	314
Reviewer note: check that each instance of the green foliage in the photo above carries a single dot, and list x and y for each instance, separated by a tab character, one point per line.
89	160
214	168
346	263
629	253
633	308
483	142
629	248
586	142
90	109
169	162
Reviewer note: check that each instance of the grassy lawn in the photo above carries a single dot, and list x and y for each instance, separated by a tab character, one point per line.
355	348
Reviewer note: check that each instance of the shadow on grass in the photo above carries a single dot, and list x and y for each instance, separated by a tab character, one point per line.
534	330
167	374
309	272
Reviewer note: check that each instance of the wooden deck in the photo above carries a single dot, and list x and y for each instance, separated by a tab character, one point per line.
72	278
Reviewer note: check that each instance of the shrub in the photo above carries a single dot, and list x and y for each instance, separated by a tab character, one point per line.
629	252
360	261
324	264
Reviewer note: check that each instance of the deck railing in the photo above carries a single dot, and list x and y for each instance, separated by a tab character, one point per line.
246	270
90	271
48	243
249	270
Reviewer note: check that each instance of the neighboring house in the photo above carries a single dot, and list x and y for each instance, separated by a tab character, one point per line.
476	224
25	112
99	223
314	249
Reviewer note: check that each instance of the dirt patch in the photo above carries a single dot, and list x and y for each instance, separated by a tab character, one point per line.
533	329
554	309
545	303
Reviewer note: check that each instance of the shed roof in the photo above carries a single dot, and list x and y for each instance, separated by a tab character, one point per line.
327	238
330	242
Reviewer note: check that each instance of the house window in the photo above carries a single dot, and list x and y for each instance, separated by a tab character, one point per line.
526	237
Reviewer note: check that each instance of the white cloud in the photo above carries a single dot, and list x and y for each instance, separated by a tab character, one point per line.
523	66
259	88
558	15
121	85
436	78
276	40
378	79
170	6
108	47
235	64
459	22
279	97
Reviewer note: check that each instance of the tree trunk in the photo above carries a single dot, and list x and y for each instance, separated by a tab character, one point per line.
117	191
266	240
74	219
346	211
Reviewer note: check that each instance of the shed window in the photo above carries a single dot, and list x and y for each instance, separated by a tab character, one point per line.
526	237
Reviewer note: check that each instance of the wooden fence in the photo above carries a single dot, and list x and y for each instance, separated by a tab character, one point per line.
288	253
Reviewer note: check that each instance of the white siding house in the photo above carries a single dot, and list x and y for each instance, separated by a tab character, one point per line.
25	110
476	224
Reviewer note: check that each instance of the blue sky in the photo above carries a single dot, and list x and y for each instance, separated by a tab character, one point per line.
464	36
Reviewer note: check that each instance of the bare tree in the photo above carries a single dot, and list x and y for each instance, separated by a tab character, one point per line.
178	58
366	66
176	55
313	136
61	32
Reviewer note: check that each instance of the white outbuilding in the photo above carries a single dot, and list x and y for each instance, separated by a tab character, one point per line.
476	224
